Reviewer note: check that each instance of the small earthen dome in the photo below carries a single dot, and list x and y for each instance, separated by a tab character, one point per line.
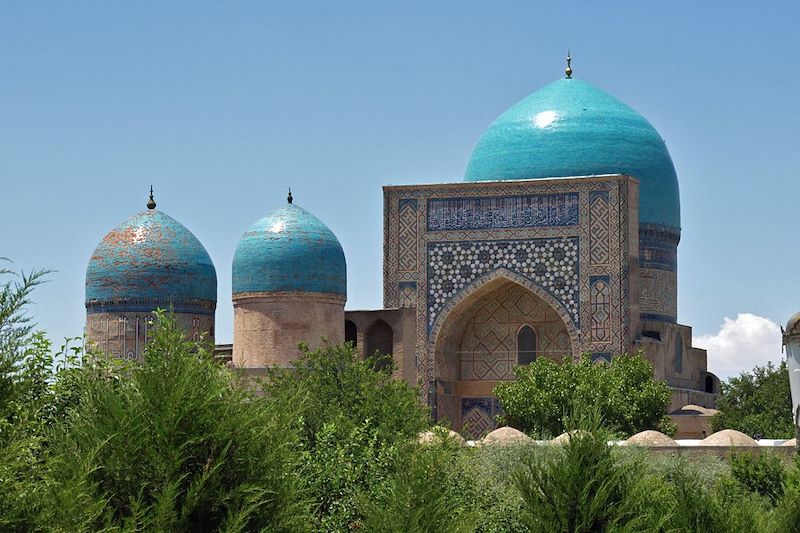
650	438
505	435
728	437
430	437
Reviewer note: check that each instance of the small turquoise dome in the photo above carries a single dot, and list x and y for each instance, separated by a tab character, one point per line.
570	128
150	256
289	250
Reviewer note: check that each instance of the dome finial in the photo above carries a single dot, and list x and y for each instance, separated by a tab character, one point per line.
568	70
289	198
151	203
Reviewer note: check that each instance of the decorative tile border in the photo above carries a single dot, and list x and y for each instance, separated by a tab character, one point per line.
502	212
551	264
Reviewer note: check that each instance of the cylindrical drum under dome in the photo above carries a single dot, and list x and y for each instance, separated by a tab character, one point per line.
289	286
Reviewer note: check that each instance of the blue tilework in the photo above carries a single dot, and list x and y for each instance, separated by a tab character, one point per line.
150	257
552	264
289	250
570	128
503	212
658	248
606	356
412	202
657	318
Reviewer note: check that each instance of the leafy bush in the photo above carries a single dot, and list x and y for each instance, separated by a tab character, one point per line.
352	421
586	488
761	473
26	369
423	493
172	444
758	403
629	400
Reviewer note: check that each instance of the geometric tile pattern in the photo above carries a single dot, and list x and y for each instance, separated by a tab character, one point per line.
408	293
657	288
550	263
599	232
480	212
489	349
478	415
503	212
408	236
600	301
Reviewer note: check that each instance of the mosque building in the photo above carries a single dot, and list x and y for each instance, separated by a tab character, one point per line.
561	239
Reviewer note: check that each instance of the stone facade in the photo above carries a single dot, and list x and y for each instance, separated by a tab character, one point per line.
560	255
124	332
268	326
391	332
559	259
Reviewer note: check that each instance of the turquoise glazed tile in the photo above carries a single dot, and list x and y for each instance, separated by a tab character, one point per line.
150	256
289	250
570	128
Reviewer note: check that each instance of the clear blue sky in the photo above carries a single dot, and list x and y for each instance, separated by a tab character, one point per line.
223	105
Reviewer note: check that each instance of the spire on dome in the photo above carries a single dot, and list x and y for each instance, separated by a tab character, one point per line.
151	203
289	198
568	70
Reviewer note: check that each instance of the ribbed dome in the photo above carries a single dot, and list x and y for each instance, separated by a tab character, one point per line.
289	250
150	256
570	128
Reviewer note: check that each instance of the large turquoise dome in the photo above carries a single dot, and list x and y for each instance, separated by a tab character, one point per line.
570	128
150	258
289	250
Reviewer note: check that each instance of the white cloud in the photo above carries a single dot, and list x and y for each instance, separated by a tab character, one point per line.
741	344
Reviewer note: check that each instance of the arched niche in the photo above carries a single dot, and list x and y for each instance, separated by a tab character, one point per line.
351	332
477	346
379	338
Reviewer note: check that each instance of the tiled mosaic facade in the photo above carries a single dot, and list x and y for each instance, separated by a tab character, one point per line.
489	343
658	266
478	415
502	212
565	241
550	263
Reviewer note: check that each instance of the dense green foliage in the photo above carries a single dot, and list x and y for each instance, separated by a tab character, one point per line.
758	403
353	421
624	393
172	444
176	443
759	473
585	488
423	493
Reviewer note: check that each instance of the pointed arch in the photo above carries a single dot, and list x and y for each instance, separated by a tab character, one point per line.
485	283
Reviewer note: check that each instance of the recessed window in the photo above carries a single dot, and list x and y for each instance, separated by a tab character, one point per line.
526	345
350	332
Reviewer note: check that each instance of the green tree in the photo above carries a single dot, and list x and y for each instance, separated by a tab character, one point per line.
26	371
172	443
424	493
623	392
352	421
584	487
758	403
